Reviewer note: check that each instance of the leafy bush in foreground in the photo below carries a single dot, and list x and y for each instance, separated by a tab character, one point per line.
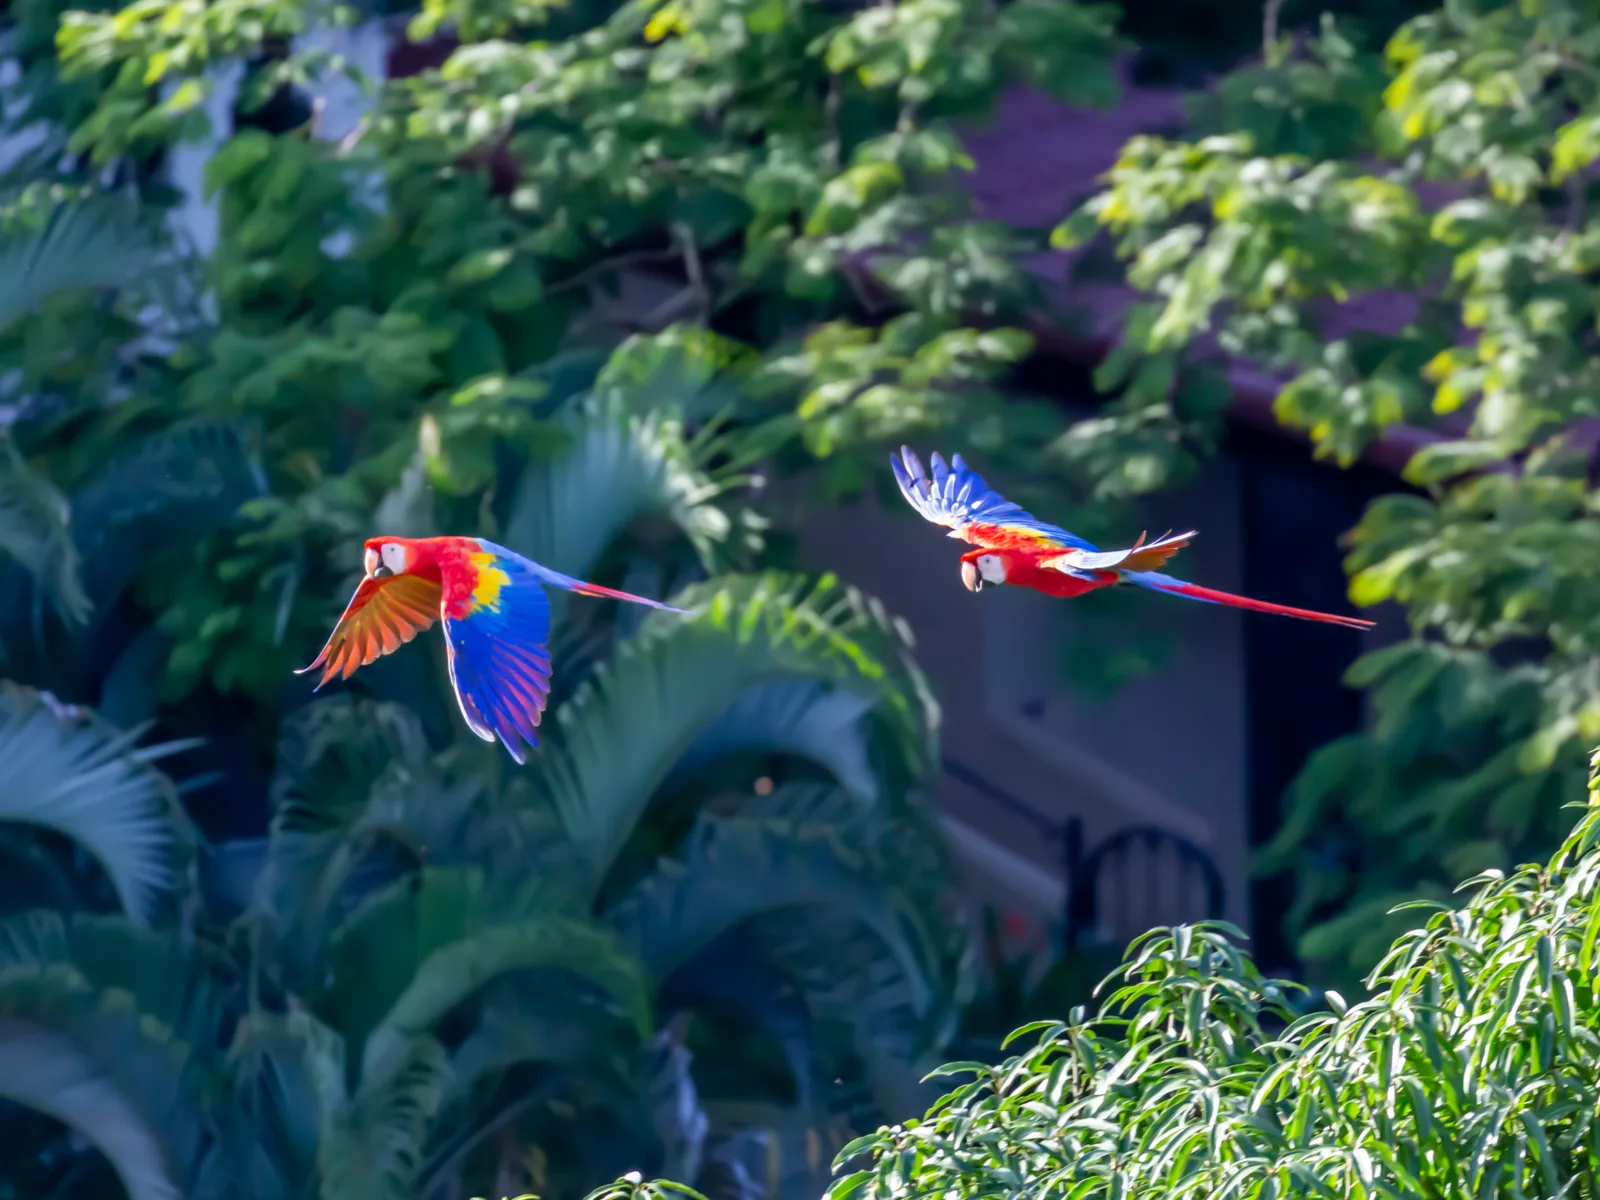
1473	1069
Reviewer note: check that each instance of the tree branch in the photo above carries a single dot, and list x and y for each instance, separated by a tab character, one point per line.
591	273
1269	31
695	270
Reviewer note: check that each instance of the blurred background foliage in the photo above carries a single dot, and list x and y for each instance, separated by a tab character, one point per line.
1452	163
594	287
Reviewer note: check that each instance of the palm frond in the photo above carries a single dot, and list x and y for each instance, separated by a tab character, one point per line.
452	973
802	718
278	1066
845	937
174	982
48	1072
64	770
361	802
140	1008
331	751
335	756
36	532
372	1140
679	1121
620	736
93	242
622	466
691	901
516	1025
166	492
687	370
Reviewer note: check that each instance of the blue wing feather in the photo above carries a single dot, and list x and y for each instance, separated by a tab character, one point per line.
500	654
957	498
500	661
568	583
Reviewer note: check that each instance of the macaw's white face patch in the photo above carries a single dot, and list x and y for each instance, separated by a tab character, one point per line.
986	568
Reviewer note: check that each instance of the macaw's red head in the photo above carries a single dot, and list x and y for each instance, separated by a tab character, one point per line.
387	556
979	567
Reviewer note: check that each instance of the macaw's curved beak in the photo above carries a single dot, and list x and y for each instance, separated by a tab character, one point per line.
374	565
970	577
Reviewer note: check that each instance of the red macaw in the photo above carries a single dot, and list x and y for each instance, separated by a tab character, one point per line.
1016	547
496	625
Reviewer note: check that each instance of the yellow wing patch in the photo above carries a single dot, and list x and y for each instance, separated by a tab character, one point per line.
492	580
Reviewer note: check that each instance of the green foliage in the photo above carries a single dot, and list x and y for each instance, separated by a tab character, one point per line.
633	137
432	959
574	291
63	771
1451	168
1469	1071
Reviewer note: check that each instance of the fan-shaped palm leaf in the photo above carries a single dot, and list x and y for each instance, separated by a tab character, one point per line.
454	972
352	774
168	490
89	243
803	718
876	972
372	1139
36	533
516	1024
687	370
176	983
618	738
64	770
688	903
622	466
279	1065
422	946
48	1072
138	1006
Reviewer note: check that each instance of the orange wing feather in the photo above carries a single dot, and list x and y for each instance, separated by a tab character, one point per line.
383	615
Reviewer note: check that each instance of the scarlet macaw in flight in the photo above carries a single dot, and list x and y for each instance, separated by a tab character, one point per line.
496	625
1016	547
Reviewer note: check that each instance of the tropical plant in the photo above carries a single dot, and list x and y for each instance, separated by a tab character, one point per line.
363	286
1470	1070
436	968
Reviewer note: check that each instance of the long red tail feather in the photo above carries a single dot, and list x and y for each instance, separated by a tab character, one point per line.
1194	591
594	589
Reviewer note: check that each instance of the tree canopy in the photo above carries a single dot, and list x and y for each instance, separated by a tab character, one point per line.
1470	1070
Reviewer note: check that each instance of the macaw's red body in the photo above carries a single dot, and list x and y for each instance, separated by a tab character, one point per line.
1015	547
496	622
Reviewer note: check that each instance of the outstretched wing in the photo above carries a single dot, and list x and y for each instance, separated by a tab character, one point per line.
499	652
958	498
499	645
383	615
1140	556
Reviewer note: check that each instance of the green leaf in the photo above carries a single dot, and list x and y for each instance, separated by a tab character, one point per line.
65	771
236	158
